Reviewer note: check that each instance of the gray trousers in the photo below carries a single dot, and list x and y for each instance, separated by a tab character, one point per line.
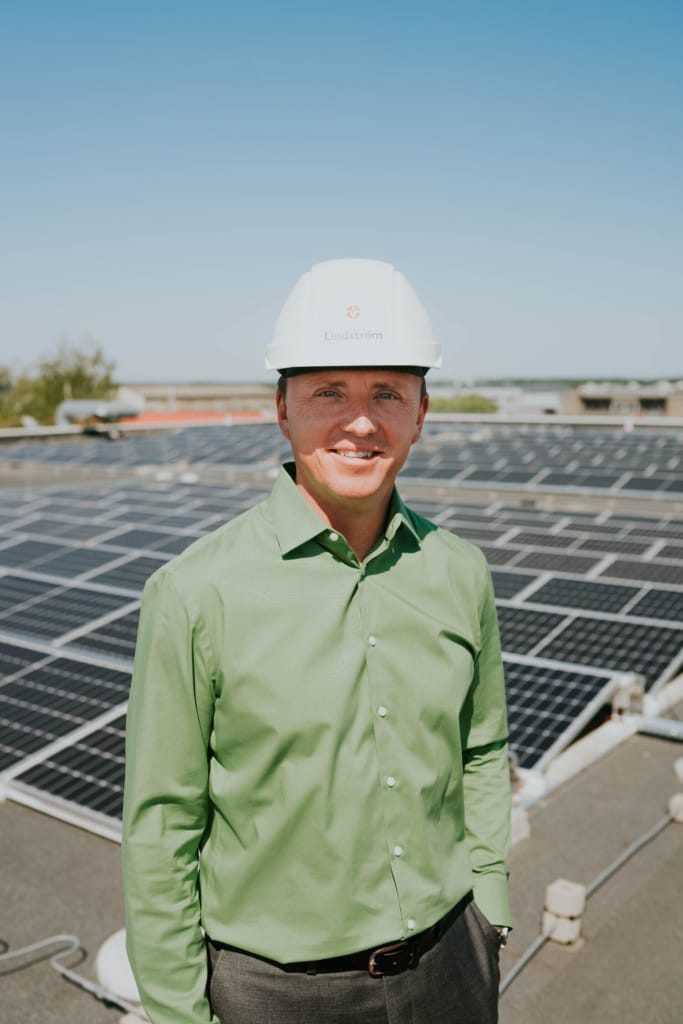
454	982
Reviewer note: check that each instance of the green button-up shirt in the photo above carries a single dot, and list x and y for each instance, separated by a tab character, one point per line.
316	750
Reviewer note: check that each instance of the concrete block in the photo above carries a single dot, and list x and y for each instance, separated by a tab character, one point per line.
565	899
676	807
564	930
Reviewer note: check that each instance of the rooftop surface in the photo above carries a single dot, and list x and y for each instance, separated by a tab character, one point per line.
57	878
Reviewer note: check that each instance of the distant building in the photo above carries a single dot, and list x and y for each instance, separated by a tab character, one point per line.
221	397
663	398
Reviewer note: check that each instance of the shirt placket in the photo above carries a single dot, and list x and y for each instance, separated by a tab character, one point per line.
384	724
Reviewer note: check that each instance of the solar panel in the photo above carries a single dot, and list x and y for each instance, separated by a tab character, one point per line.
497	556
645	483
611	546
541	538
14	658
51	701
653	572
26	552
660	604
59	612
507	584
521	629
597	481
671	530
141	539
176	545
90	773
72	562
585	526
546	707
556	562
116	637
475	534
131	575
601	597
559	479
672	551
64	528
17	590
617	645
138	514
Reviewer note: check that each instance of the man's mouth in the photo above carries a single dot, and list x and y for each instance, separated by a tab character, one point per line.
346	454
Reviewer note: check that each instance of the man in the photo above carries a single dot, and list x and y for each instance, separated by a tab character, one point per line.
317	771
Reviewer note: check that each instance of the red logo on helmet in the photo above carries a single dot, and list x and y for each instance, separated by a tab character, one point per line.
353	312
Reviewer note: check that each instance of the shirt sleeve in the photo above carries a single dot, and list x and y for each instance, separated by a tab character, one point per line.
166	807
486	771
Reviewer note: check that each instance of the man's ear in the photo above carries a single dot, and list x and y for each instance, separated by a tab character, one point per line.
281	405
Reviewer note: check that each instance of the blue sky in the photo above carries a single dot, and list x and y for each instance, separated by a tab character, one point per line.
170	168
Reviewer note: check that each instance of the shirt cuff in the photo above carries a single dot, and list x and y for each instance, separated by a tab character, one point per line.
493	899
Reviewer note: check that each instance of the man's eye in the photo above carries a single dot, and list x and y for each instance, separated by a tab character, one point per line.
327	393
387	394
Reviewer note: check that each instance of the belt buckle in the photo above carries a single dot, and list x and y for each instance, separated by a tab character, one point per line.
391	959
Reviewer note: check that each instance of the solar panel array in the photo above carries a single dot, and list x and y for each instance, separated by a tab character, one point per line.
581	596
72	569
251	444
557	457
533	457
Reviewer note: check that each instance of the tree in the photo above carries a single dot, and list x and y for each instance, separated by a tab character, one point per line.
463	403
73	372
5	381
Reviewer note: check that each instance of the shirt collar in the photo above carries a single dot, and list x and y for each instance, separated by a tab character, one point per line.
398	516
296	522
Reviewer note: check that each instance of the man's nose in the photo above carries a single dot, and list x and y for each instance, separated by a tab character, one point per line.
360	421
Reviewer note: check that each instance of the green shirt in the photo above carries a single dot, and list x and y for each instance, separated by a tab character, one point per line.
327	739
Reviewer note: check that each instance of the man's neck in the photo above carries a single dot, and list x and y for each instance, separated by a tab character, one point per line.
360	523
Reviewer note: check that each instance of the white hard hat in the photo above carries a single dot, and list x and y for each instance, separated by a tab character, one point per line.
352	313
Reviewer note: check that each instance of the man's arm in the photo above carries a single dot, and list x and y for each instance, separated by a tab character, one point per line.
166	807
486	771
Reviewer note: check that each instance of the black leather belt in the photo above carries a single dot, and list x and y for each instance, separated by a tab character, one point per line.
391	958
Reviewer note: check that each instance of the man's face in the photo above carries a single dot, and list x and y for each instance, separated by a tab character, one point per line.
351	432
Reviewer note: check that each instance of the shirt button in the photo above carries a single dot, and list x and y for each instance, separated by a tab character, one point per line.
334	536
391	781
372	640
397	851
411	924
382	711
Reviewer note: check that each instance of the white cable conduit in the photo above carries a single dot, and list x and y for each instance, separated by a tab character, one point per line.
74	944
592	887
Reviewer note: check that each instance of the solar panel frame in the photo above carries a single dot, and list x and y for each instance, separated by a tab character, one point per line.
39	709
551	733
49	761
84	774
617	643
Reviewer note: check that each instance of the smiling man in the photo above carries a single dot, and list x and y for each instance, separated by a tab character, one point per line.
351	431
317	801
